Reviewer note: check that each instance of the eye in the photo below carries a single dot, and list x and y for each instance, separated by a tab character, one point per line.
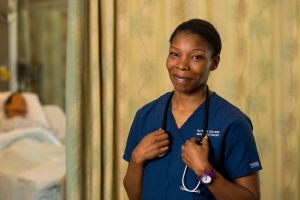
172	53
197	57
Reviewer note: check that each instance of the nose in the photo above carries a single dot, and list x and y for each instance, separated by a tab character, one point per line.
183	63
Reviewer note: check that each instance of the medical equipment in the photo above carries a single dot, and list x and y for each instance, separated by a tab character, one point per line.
205	124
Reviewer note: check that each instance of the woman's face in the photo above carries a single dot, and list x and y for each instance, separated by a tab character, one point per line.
189	62
17	107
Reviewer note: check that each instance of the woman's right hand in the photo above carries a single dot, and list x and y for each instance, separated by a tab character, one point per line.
151	146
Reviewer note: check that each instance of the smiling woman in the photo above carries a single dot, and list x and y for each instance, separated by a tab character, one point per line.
216	167
189	64
194	59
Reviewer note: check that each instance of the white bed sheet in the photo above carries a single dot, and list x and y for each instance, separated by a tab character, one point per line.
36	133
32	165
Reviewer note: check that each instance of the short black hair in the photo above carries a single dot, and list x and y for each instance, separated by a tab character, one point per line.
202	28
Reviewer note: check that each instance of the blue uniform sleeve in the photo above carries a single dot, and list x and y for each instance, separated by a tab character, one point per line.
132	139
240	153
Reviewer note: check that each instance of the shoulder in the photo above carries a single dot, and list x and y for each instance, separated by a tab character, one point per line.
222	107
147	119
154	107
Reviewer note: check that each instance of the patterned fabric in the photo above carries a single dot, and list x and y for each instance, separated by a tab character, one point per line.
83	102
258	72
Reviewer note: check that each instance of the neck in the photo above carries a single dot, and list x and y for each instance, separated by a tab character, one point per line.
189	101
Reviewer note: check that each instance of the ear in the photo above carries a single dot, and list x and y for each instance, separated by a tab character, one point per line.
214	63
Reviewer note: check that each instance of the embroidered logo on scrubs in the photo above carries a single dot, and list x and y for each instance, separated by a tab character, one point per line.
254	164
210	133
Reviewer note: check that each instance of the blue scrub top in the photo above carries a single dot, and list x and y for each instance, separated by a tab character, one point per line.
232	153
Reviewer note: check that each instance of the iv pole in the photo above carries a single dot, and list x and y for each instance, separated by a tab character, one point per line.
12	44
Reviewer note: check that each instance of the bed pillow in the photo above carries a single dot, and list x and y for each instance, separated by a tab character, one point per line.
34	107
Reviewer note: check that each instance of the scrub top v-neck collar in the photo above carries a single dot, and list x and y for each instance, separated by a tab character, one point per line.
187	124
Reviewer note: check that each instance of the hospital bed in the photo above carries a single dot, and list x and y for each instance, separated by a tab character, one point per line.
32	159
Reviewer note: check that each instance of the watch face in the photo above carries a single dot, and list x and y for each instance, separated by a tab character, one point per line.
206	179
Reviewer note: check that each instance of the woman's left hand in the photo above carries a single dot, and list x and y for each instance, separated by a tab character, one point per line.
195	155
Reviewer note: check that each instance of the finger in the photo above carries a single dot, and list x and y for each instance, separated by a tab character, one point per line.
160	131
163	150
195	140
185	158
163	143
205	143
162	137
184	150
192	141
205	140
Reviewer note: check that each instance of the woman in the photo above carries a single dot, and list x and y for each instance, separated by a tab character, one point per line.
203	146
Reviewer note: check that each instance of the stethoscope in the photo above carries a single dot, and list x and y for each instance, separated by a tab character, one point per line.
205	124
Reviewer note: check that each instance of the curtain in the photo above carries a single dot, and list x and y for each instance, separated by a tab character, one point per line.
116	63
42	49
83	101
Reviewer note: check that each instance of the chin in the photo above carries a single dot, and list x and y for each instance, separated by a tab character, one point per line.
183	90
186	90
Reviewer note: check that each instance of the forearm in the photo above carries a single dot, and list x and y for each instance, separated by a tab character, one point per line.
223	189
196	157
151	146
133	180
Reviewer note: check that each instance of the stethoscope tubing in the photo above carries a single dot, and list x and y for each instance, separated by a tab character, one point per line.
205	121
204	133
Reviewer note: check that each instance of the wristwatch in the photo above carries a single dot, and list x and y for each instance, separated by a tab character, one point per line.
208	177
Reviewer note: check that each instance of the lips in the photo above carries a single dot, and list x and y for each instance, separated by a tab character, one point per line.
181	78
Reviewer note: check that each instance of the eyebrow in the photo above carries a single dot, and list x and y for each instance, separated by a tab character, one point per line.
198	49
